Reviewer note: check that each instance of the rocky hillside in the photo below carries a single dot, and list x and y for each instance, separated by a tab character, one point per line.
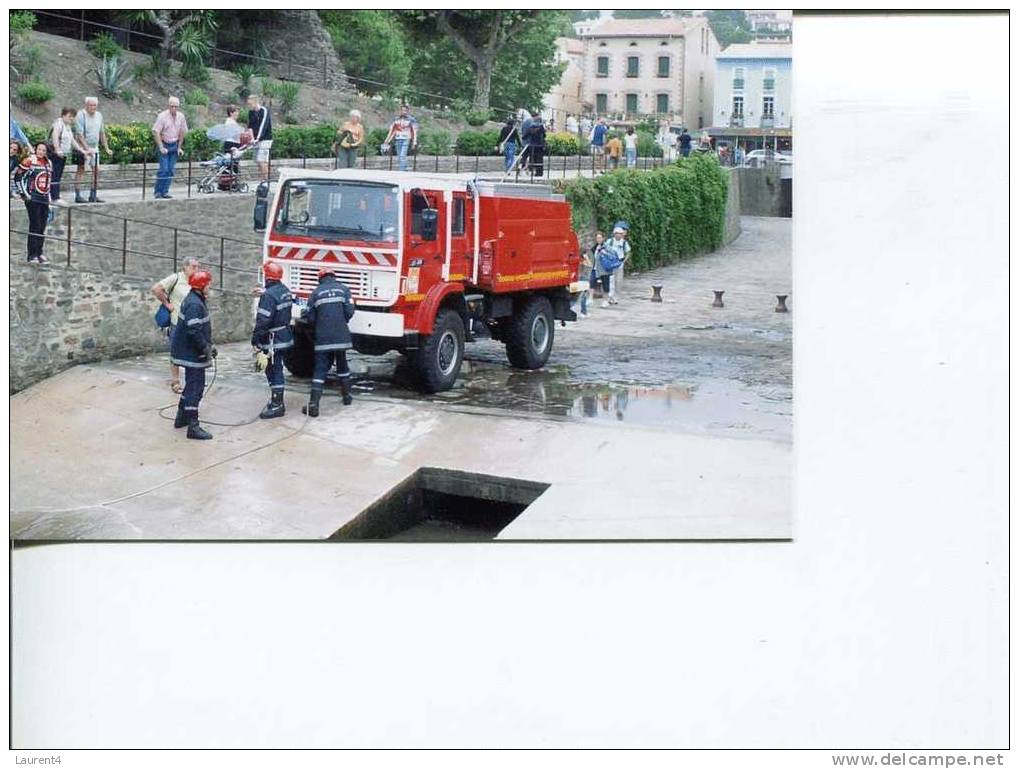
66	68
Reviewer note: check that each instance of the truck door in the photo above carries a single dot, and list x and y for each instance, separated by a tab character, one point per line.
425	258
461	266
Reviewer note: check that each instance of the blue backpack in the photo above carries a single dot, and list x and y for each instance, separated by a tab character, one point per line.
608	258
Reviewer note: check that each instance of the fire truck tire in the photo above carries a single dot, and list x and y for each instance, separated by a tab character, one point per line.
530	334
300	359
437	361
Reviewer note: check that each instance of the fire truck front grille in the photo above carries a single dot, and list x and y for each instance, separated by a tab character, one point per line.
304	279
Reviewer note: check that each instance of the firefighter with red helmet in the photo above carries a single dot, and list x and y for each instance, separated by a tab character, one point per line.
273	335
193	351
330	306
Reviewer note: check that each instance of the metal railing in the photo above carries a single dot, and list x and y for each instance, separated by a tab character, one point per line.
190	173
173	235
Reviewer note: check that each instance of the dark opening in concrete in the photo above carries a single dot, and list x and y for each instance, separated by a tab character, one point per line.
437	505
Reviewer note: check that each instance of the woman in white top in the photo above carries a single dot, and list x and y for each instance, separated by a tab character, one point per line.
62	141
630	147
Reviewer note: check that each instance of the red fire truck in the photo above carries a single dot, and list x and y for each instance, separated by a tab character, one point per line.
432	261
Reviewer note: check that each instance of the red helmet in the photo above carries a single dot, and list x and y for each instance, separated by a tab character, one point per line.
272	271
326	270
200	279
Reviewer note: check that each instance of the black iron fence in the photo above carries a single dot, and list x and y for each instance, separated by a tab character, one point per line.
195	177
145	263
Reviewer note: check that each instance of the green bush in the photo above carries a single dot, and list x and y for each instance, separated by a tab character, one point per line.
374	139
562	143
103	46
197	98
477	143
127	96
647	147
435	142
674	212
30	59
476	118
35	92
21	22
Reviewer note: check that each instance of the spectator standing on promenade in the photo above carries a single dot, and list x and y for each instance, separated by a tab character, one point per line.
349	140
592	254
509	138
260	124
32	181
684	143
536	138
613	151
631	148
597	138
739	155
62	141
170	292
169	129
90	133
571	124
403	134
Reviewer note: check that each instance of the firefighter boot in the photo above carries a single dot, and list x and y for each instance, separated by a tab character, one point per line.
181	419
274	408
345	389
312	408
196	432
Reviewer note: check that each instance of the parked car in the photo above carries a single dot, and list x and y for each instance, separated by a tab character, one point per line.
759	157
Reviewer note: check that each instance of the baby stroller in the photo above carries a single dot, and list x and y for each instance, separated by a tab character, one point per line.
224	172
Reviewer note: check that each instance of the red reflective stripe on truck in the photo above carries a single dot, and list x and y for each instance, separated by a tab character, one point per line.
359	257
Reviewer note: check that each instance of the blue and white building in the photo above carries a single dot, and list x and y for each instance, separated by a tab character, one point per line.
753	94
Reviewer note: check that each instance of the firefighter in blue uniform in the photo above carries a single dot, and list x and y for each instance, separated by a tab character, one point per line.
329	308
272	335
192	350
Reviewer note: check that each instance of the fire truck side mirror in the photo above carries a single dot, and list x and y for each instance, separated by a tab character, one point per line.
429	223
261	206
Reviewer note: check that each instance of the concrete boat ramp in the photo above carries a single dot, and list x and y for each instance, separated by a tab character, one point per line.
93	458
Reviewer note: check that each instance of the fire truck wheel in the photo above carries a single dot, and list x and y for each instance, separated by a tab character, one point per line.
300	359
438	358
530	334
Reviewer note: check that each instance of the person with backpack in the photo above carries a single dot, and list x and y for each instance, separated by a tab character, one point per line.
170	292
597	138
612	254
32	179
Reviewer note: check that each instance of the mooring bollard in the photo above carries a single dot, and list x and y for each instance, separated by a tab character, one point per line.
657	289
718	299
781	303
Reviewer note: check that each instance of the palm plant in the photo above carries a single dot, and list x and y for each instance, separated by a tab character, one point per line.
194	44
245	73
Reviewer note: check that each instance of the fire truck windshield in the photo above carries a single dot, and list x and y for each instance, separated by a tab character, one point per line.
339	209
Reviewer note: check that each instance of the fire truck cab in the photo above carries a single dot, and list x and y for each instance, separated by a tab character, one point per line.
432	261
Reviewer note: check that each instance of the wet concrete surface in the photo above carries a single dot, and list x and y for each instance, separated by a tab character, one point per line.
692	404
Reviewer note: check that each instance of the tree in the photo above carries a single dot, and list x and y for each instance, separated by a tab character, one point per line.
479	36
172	23
524	71
729	27
637	14
576	16
372	46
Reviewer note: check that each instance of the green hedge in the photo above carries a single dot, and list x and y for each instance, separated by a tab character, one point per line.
477	143
674	212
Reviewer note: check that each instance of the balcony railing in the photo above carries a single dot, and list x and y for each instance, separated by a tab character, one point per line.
767	121
736	121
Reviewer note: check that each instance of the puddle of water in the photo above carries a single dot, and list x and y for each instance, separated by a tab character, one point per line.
713	406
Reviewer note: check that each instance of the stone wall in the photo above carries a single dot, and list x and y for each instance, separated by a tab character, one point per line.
151	240
762	191
61	317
